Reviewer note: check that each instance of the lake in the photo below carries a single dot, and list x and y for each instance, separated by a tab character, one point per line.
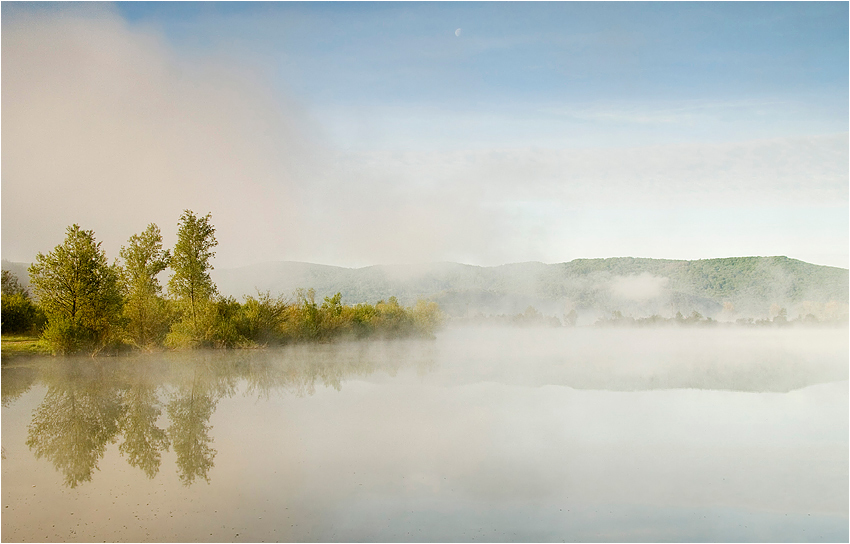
480	435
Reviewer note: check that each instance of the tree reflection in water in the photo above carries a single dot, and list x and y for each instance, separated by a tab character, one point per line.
16	381
143	440
77	418
190	410
90	402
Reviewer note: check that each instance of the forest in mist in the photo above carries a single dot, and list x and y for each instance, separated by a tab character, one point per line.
75	301
723	289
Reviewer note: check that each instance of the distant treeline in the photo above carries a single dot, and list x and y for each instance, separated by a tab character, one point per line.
617	319
531	317
81	303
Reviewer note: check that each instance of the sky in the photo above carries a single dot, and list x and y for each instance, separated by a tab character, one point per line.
354	134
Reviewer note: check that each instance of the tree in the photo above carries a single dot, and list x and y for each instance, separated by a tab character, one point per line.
191	284
79	293
19	314
426	317
144	258
10	284
310	317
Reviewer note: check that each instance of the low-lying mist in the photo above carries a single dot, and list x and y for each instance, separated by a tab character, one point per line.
734	359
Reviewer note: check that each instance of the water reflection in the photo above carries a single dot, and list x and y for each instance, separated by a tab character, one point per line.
527	435
143	439
16	381
190	410
77	418
91	403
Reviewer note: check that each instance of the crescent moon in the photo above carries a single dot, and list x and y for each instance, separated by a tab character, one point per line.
457	32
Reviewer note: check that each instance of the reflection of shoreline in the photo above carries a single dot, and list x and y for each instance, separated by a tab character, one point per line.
90	403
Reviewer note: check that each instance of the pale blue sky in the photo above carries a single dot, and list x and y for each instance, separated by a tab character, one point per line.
363	133
663	72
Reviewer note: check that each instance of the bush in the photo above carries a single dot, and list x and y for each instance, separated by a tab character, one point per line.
262	319
20	315
65	336
216	325
223	331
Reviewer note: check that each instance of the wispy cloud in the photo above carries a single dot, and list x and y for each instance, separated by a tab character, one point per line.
682	112
106	126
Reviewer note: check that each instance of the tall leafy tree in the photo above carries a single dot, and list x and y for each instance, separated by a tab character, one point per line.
79	292
144	258
191	284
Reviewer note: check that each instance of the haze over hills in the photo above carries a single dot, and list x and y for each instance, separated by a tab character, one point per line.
724	289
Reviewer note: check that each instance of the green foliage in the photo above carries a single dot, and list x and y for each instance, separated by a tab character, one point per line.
223	331
19	313
90	305
216	324
427	317
192	331
392	319
361	318
10	284
191	284
262	318
147	312
66	336
79	293
306	320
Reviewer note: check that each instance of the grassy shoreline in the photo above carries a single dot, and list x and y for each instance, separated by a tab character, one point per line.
21	345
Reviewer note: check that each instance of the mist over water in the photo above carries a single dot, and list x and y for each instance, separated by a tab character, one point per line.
493	434
678	166
733	359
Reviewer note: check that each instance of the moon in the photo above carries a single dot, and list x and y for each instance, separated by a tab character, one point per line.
457	32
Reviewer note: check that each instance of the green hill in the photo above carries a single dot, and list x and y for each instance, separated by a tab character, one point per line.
724	289
721	288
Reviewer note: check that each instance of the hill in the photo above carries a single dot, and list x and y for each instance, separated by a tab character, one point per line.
725	289
721	288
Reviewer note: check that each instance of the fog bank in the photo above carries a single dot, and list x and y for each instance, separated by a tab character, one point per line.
112	125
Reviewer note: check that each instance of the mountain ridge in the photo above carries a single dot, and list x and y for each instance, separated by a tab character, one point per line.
740	286
723	288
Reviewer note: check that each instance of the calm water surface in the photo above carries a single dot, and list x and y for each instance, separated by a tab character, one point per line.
480	435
